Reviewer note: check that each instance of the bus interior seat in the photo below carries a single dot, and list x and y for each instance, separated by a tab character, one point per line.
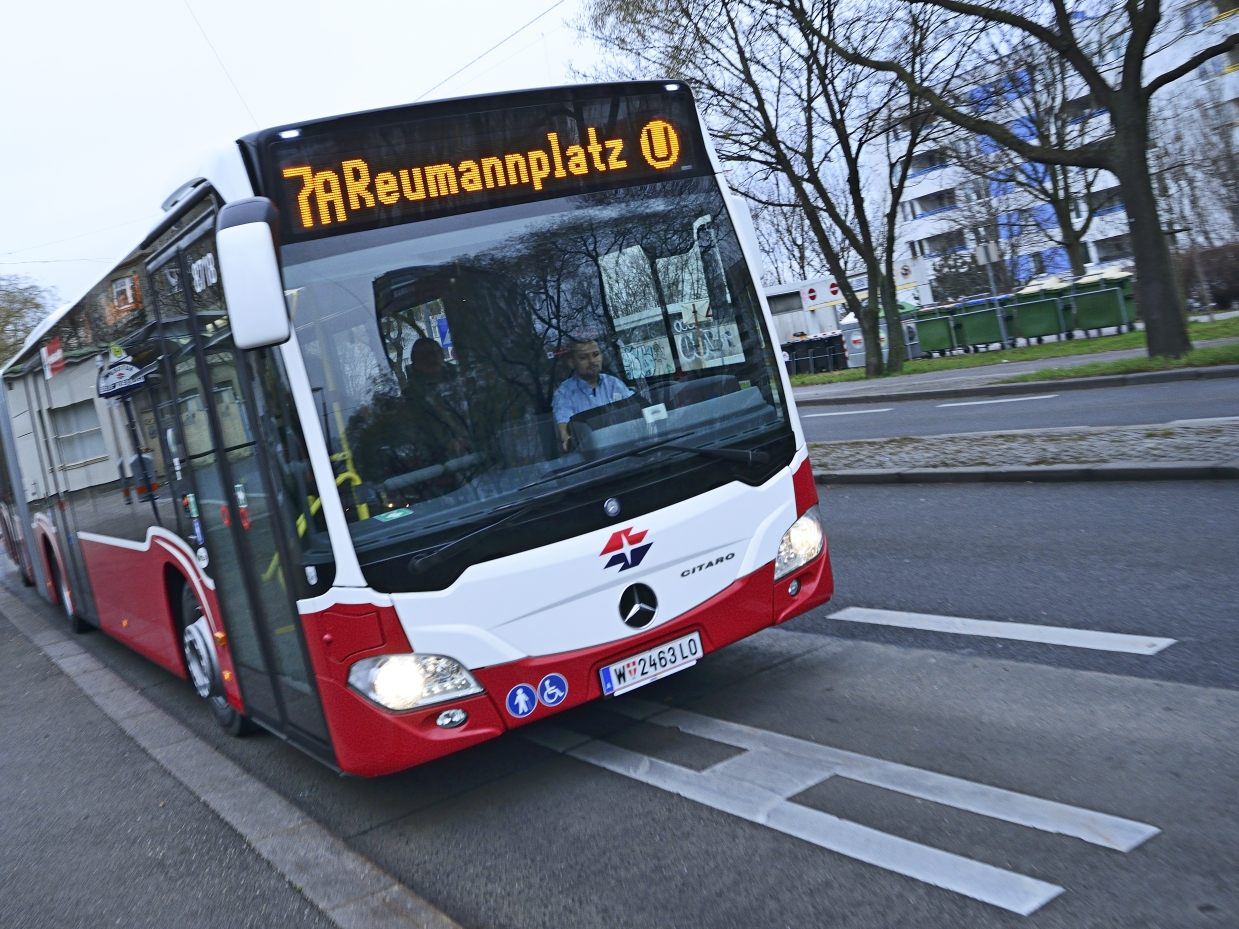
686	393
528	440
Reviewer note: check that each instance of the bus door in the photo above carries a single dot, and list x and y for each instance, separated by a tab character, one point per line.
219	469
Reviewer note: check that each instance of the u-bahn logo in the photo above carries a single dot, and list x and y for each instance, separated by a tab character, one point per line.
625	549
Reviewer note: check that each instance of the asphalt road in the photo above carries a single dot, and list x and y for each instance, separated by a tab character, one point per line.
1149	558
835	774
1101	406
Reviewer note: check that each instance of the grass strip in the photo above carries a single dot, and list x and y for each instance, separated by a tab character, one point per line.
1197	331
1197	358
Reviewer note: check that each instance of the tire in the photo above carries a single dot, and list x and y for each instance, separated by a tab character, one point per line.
202	665
64	597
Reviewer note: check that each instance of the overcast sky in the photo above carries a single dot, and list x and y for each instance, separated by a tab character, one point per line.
109	106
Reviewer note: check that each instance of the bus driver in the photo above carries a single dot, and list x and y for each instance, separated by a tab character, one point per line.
586	388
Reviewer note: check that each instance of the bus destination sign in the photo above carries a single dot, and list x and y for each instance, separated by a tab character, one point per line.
388	173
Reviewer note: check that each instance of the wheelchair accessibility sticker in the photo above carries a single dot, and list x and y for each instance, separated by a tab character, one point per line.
553	690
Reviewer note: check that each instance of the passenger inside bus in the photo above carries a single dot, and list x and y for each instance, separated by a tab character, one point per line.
436	403
426	366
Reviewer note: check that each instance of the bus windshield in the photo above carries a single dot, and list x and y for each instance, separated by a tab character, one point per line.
459	362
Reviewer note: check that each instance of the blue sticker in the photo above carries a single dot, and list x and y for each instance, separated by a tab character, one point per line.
522	701
553	690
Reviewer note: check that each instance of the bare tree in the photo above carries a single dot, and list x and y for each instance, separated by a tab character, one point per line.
1108	48
987	216
1196	161
1034	88
22	304
800	126
786	239
957	276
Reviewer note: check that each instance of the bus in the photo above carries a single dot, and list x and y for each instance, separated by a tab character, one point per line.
300	447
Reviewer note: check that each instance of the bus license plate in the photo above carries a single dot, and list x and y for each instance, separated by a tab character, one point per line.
651	664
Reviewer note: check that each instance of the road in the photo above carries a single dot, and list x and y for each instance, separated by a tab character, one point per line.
1102	406
841	773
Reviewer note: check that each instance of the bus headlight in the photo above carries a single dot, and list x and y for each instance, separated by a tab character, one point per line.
800	544
405	682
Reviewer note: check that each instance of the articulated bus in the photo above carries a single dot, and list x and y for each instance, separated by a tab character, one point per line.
329	442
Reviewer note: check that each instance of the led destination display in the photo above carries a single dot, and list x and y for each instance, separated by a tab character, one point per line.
396	168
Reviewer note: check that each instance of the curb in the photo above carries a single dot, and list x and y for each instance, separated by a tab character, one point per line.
1058	473
1026	387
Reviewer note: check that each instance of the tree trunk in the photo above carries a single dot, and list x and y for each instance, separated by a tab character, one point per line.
867	316
897	348
1073	244
1077	254
1158	299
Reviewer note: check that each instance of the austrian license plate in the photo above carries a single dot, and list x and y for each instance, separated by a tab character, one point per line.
651	664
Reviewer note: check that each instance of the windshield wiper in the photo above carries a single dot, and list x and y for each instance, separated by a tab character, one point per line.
524	508
521	508
607	459
748	456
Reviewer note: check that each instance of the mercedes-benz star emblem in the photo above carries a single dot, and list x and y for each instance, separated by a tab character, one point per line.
637	606
611	507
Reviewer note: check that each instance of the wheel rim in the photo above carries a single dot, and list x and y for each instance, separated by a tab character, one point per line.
201	661
66	598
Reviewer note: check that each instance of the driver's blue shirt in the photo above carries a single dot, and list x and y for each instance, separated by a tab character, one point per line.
576	396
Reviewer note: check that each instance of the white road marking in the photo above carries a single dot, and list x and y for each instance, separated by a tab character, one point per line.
757	786
885	409
1023	632
749	801
1000	400
1021	809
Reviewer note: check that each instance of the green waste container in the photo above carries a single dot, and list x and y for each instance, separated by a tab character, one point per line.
1035	318
1100	308
935	334
980	327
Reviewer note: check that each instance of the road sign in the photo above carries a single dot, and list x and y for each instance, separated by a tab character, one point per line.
120	379
53	358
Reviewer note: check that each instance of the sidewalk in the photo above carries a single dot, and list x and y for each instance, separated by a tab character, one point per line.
117	815
1184	450
989	380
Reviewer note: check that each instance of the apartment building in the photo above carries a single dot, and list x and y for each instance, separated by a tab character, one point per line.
951	207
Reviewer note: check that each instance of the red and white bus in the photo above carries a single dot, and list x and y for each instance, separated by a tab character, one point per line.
300	446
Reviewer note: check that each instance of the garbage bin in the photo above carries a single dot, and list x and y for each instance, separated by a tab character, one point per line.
815	354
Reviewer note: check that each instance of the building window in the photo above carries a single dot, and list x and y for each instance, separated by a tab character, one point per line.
934	203
941	244
1105	201
78	433
923	162
1114	248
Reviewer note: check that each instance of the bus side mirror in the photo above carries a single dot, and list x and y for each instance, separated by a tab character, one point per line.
245	241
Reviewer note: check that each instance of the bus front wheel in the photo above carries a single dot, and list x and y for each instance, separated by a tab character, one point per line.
202	664
64	597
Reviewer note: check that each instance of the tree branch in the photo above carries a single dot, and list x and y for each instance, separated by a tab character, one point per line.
1169	77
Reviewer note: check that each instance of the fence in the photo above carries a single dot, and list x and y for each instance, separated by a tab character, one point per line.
1031	315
